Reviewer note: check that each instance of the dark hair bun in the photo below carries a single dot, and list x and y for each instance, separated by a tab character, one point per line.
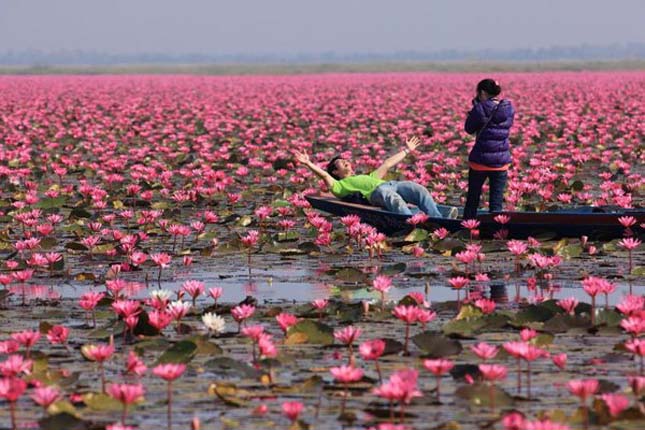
491	86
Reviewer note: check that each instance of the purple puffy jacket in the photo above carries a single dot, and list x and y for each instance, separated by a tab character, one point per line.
491	146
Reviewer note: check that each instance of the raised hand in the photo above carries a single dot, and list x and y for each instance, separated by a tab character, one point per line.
301	157
413	143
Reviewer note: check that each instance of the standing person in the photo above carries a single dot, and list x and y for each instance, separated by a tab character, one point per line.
394	196
490	120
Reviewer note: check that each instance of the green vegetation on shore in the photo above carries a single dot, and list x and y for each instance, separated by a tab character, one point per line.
292	68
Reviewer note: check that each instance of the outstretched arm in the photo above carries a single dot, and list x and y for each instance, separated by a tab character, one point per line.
303	158
411	145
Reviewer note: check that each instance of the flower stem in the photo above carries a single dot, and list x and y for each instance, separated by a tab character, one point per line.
169	405
102	370
380	376
407	336
12	410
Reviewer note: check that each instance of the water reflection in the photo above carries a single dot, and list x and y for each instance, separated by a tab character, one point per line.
306	279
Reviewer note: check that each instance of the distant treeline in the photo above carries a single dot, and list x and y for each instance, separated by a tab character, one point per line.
631	51
294	69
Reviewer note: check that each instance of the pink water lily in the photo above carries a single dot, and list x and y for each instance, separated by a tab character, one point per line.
169	372
438	367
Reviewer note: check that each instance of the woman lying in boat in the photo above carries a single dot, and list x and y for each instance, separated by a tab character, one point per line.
394	196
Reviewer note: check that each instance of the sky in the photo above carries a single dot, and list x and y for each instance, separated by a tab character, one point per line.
314	26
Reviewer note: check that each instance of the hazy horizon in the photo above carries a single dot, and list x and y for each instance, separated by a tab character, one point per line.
293	27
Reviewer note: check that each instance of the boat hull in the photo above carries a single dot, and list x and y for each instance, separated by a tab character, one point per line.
594	222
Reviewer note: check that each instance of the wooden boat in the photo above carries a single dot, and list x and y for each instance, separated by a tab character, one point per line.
599	223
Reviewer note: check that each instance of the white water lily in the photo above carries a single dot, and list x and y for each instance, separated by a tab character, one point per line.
213	322
161	294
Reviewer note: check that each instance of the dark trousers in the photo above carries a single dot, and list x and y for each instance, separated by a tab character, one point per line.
497	184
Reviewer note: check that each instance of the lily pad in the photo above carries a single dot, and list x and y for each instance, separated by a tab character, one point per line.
62	407
181	352
311	384
480	395
464	328
48	242
571	251
351	274
144	327
533	313
51	202
393	269
75	246
79	213
460	371
227	366
312	332
416	235
562	323
62	421
435	345
228	393
205	346
449	244
101	402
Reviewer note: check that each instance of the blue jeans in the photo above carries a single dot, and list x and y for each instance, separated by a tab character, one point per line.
395	196
497	184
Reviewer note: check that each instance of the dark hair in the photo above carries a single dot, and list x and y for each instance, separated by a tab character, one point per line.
331	166
491	86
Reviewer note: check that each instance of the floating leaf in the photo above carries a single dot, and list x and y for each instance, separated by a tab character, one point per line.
448	425
62	407
80	213
144	327
533	313
101	402
227	366
460	371
638	271
479	395
245	221
542	339
85	276
62	421
571	251
562	323
48	242
416	235
51	203
605	386
393	269
280	203
75	246
436	345
610	318
287	236
152	344
181	352
160	205
463	328
351	274
468	311
311	384
205	346
315	333
228	393
103	248
449	244
44	327
577	185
